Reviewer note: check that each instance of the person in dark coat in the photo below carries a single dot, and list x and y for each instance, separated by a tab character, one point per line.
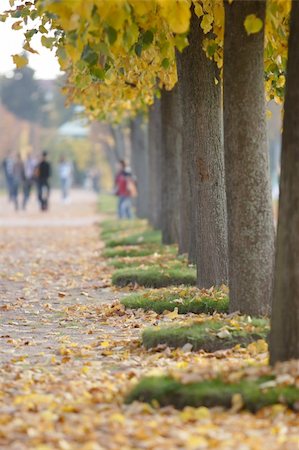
43	174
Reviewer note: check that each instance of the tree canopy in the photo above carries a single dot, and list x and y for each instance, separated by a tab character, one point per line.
119	54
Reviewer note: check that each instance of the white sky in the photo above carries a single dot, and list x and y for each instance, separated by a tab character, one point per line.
44	64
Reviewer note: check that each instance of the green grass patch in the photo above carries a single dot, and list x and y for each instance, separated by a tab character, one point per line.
107	204
186	300
254	393
133	251
164	261
155	276
141	238
209	335
116	229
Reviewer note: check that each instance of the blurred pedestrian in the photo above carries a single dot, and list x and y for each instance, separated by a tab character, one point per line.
126	190
7	166
18	179
96	177
43	174
65	174
29	171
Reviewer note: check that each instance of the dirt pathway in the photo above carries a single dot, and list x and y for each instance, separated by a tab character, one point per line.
69	352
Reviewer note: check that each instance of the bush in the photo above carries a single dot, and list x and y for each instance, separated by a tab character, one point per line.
186	300
209	335
167	391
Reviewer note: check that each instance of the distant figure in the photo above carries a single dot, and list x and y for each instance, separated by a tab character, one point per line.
29	173
96	177
18	179
65	175
43	174
7	166
126	190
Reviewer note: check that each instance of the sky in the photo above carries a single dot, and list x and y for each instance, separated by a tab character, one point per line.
44	64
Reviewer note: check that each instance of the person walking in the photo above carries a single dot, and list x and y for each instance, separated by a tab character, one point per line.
18	177
43	174
65	175
126	190
29	170
7	166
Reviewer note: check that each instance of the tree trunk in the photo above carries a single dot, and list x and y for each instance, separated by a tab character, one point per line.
119	142
284	339
184	195
171	141
250	219
155	163
139	144
201	105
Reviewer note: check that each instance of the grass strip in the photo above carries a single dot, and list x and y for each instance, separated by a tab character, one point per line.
142	238
112	229
254	393
154	276
164	261
190	300
107	204
209	335
132	251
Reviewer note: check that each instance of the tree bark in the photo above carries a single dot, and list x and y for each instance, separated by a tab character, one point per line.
284	338
184	195
171	141
202	144
140	164
119	142
250	219
155	164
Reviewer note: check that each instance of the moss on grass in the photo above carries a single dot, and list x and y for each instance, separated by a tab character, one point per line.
215	392
185	300
209	335
154	276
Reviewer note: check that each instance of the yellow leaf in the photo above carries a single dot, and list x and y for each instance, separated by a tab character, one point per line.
105	344
281	81
172	315
117	417
237	403
253	24
206	23
198	10
177	15
85	369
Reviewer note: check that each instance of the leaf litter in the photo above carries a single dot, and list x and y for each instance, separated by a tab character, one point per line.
70	352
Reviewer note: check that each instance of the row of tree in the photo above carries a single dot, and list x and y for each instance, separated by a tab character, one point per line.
206	146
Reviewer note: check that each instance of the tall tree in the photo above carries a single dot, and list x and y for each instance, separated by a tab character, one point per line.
284	338
201	106
171	143
250	219
140	163
155	169
22	95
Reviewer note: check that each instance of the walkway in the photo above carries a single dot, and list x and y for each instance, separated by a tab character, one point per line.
69	352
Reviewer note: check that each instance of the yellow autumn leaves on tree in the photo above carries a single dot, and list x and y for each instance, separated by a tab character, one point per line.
118	54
